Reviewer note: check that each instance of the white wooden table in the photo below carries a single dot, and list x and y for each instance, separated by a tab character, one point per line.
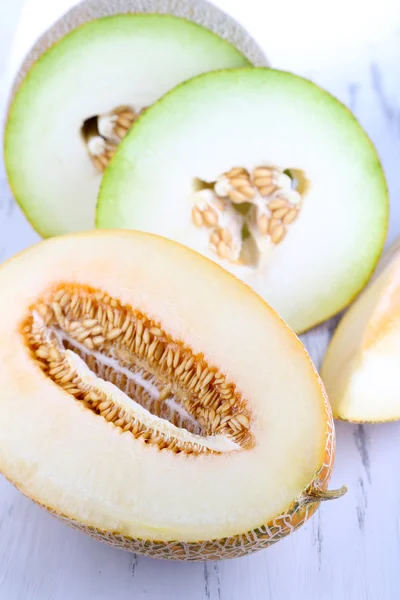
351	549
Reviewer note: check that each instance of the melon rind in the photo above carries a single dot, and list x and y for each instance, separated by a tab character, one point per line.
251	117
109	257
242	544
49	170
198	11
236	546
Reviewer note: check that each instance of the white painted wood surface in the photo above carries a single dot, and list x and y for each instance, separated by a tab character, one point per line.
351	549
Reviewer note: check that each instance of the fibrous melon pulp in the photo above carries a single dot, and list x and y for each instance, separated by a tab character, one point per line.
97	70
154	401
264	173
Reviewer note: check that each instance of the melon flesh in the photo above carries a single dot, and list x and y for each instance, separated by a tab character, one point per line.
73	461
121	60
360	367
253	118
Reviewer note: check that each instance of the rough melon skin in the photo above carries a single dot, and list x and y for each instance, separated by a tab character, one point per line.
226	548
95	60
237	546
262	483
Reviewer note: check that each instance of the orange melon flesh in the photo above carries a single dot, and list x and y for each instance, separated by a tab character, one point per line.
360	367
85	469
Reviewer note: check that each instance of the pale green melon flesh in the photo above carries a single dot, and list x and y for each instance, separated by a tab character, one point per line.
247	118
118	60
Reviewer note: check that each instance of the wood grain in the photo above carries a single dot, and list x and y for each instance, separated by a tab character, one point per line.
350	550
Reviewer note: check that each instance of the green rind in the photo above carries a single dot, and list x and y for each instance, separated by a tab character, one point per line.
52	49
202	12
109	199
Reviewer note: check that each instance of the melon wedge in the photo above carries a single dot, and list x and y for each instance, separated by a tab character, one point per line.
162	406
84	83
264	173
361	364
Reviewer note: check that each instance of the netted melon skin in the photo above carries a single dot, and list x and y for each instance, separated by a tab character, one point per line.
224	548
229	547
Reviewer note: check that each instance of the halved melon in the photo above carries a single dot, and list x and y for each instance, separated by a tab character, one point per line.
360	366
84	83
266	174
154	401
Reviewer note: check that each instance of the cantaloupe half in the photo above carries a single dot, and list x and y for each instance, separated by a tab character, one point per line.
154	401
265	173
85	82
361	365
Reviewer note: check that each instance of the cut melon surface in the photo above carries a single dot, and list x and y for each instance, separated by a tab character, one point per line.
264	173
85	82
162	406
360	366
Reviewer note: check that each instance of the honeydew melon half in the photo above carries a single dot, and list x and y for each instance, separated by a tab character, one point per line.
84	83
265	173
154	401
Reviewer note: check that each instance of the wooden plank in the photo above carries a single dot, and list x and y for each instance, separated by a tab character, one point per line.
351	549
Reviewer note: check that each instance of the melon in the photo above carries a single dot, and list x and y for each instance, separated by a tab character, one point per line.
360	366
85	82
266	174
152	400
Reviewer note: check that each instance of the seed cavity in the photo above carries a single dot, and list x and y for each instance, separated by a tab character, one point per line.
124	367
246	213
103	133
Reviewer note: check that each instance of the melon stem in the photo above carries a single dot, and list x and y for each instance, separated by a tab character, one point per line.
317	495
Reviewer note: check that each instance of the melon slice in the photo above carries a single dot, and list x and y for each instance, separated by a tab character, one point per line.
266	174
162	406
360	367
86	81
